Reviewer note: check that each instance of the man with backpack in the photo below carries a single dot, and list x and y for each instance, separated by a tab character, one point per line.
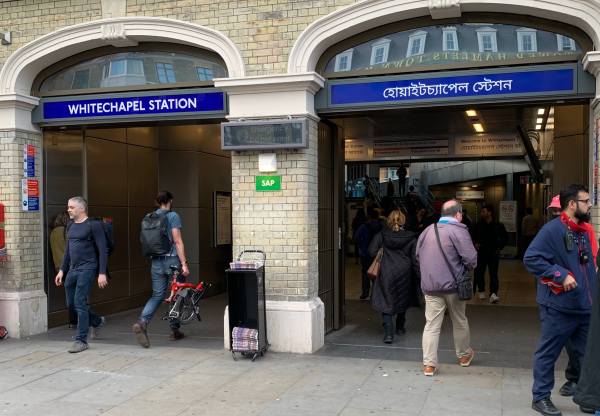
86	256
161	240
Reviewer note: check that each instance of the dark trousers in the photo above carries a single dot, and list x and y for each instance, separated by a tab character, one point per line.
574	366
400	320
485	260
558	328
365	263
78	286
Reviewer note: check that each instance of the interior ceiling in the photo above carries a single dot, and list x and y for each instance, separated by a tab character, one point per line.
437	121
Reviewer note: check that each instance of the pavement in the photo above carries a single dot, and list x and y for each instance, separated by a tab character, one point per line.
353	374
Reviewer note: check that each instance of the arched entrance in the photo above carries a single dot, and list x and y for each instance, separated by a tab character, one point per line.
320	38
22	298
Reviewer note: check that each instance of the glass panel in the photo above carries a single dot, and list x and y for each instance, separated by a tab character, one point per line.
438	45
135	68
379	54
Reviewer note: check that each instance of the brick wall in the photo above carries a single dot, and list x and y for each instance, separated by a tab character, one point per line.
24	270
31	19
281	223
263	30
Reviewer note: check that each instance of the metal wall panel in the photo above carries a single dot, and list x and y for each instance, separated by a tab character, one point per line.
143	136
142	175
141	281
118	135
179	173
106	163
136	260
118	287
63	153
119	260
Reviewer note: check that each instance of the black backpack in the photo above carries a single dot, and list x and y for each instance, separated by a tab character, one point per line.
107	227
154	235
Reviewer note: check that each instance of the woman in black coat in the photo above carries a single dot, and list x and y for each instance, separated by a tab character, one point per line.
392	290
587	393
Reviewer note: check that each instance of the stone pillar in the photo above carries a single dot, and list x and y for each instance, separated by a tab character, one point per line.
591	63
23	304
284	224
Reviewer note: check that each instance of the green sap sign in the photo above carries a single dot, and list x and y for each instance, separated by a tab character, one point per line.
268	183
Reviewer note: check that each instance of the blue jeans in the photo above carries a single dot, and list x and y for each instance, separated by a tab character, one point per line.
78	286
161	284
558	328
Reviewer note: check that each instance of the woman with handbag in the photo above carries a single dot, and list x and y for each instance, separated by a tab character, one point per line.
394	252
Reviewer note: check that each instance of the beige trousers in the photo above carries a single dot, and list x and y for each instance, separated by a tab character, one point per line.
434	314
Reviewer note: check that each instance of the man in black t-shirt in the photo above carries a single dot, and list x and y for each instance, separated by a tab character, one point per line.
86	257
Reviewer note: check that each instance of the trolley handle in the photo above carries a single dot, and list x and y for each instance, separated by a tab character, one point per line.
264	256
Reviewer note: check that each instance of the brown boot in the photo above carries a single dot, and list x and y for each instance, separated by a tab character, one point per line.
141	335
176	335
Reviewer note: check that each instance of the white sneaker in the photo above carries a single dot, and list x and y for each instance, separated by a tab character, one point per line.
482	295
494	298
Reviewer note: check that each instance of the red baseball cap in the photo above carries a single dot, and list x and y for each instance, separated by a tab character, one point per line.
555	203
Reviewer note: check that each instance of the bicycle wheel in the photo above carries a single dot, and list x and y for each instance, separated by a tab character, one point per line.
187	311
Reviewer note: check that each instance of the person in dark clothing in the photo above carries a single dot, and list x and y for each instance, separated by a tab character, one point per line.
399	271
467	221
587	390
359	219
363	237
490	237
86	256
560	258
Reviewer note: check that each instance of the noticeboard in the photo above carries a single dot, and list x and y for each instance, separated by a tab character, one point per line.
221	218
261	135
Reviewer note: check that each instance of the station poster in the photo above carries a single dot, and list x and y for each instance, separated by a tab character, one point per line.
222	218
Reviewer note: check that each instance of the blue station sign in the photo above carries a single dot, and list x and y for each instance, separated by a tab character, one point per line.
457	86
131	106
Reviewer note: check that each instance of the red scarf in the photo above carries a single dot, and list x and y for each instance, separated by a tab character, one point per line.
573	226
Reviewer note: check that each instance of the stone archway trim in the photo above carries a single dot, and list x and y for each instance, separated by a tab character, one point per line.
23	66
368	14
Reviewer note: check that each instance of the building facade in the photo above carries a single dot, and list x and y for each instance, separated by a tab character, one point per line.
271	59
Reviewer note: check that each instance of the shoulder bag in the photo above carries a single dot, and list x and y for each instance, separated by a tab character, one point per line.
375	267
464	284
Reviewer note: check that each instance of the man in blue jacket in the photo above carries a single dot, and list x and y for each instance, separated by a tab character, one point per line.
560	257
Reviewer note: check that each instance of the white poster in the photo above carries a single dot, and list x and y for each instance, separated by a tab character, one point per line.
487	145
356	150
222	218
508	215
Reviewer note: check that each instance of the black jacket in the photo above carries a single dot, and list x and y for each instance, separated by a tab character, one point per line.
491	237
588	386
393	289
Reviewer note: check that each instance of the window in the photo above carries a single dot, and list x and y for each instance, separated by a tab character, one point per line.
343	61
486	38
416	43
527	40
565	43
126	67
81	79
165	73
204	74
379	51
450	39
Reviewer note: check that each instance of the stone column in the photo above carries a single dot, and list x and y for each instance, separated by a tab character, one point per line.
23	304
591	63
284	224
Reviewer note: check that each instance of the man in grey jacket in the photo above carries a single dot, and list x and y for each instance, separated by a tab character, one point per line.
438	283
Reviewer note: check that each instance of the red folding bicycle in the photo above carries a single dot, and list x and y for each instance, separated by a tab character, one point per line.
185	298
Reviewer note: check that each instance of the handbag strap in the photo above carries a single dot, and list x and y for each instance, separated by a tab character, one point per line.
437	237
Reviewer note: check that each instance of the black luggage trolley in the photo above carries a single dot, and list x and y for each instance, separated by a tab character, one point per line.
246	300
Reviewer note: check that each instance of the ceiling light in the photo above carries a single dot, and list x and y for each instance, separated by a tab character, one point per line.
538	126
539	120
551	112
550	126
550	120
478	127
541	111
474	186
471	113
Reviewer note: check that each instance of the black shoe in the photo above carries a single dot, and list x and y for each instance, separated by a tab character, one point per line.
363	297
587	409
546	407
388	336
568	389
400	331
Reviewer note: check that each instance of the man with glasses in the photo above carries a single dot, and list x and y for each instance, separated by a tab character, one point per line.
561	259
